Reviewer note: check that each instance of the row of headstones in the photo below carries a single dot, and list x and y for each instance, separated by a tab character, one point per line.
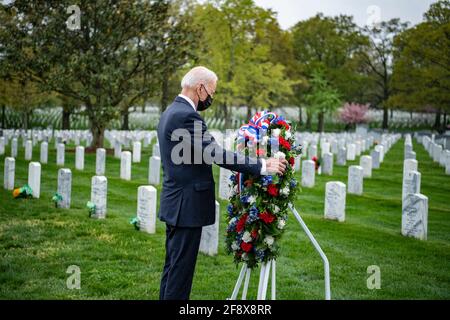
355	173
122	138
146	204
336	191
414	204
436	152
125	156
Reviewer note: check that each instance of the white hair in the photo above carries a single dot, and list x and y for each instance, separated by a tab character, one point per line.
198	75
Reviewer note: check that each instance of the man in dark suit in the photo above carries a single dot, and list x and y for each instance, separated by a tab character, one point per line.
187	200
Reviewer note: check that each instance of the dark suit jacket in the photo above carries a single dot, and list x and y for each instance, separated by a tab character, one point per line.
188	189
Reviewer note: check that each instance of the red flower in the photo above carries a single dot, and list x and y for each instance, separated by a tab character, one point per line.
254	233
272	190
260	152
241	223
291	161
267	217
246	246
284	143
283	123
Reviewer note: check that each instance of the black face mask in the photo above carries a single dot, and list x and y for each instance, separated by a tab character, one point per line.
203	105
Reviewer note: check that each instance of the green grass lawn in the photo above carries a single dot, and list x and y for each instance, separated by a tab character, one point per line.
38	242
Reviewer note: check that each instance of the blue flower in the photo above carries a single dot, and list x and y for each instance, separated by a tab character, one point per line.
245	199
252	214
230	210
260	254
293	183
266	180
233	178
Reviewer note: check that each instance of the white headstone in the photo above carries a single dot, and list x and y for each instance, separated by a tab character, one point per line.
327	164
65	187
351	152
44	153
125	165
358	148
381	150
325	148
335	194
136	152
79	158
9	169
155	151
99	189
366	163
375	155
297	163
100	158
342	157
154	167
308	173
355	180
28	150
146	208
410	165
117	149
60	149
312	151
209	242
34	178
411	183
415	216
2	146
447	163
14	148
224	183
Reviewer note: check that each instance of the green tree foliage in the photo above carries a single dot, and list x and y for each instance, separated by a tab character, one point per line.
322	97
234	45
331	45
377	59
421	76
101	64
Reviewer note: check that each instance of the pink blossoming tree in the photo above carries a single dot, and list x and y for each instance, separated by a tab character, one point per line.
354	113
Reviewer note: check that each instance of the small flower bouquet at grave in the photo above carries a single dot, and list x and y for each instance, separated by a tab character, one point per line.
136	223
91	208
317	162
57	198
23	192
258	206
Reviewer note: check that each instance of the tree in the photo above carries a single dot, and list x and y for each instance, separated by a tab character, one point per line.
322	97
233	42
421	77
378	61
100	62
329	44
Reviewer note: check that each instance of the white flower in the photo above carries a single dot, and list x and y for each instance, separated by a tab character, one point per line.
279	155
276	132
265	139
232	221
287	135
285	191
235	246
247	237
281	224
244	256
276	209
269	240
251	199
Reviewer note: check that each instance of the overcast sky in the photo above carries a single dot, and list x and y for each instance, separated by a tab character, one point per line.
364	11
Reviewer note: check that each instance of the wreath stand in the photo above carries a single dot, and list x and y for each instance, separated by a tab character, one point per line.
266	268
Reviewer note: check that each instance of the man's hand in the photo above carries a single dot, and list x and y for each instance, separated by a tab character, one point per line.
276	166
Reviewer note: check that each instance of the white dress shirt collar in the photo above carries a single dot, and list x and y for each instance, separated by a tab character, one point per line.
188	100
